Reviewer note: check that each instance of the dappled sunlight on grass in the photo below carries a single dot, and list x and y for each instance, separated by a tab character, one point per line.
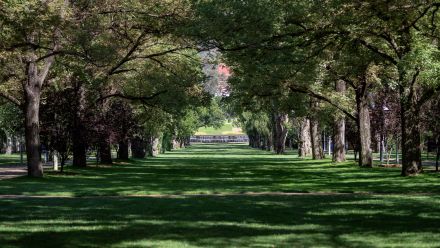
13	159
109	207
228	168
325	221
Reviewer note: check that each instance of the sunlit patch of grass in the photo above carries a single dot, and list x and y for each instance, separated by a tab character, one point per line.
228	221
227	168
400	217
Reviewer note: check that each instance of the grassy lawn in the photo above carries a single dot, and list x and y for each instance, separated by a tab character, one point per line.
90	215
13	159
226	129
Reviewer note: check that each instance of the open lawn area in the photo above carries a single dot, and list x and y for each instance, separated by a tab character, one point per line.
227	129
224	195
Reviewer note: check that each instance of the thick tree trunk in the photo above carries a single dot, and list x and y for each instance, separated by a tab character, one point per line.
32	130
105	152
280	133
339	140
269	143
317	152
305	143
153	147
138	148
79	149
339	129
79	143
364	131
123	150
315	133
411	139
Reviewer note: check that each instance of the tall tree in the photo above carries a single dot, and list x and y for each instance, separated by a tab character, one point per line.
32	35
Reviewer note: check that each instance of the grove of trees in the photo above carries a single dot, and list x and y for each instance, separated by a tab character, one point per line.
77	76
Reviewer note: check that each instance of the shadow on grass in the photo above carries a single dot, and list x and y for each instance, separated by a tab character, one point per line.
331	221
8	160
230	170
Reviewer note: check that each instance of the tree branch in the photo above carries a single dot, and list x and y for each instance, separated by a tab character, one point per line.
323	98
127	56
11	99
377	51
143	99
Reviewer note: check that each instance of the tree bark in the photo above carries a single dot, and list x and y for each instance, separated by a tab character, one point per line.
438	154
339	140
411	138
32	127
9	145
79	148
105	152
317	152
339	130
123	150
364	128
153	147
315	133
280	133
16	144
138	148
79	143
305	143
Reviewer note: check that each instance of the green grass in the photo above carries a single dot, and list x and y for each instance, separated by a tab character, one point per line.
398	218
226	129
13	159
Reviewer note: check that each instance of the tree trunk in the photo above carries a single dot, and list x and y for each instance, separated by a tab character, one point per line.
154	148
317	152
63	162
32	129
339	140
339	129
15	144
79	143
364	130
138	148
315	133
411	139
438	157
105	152
269	142
123	150
55	161
305	143
9	145
79	150
280	133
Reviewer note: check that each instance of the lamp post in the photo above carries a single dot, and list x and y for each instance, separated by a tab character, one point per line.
384	111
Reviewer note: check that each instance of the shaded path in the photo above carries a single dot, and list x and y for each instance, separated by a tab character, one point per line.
11	171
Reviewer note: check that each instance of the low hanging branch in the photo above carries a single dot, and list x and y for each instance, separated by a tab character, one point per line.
323	98
143	99
11	99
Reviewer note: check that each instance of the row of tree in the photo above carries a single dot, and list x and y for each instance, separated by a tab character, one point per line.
307	59
100	69
89	75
